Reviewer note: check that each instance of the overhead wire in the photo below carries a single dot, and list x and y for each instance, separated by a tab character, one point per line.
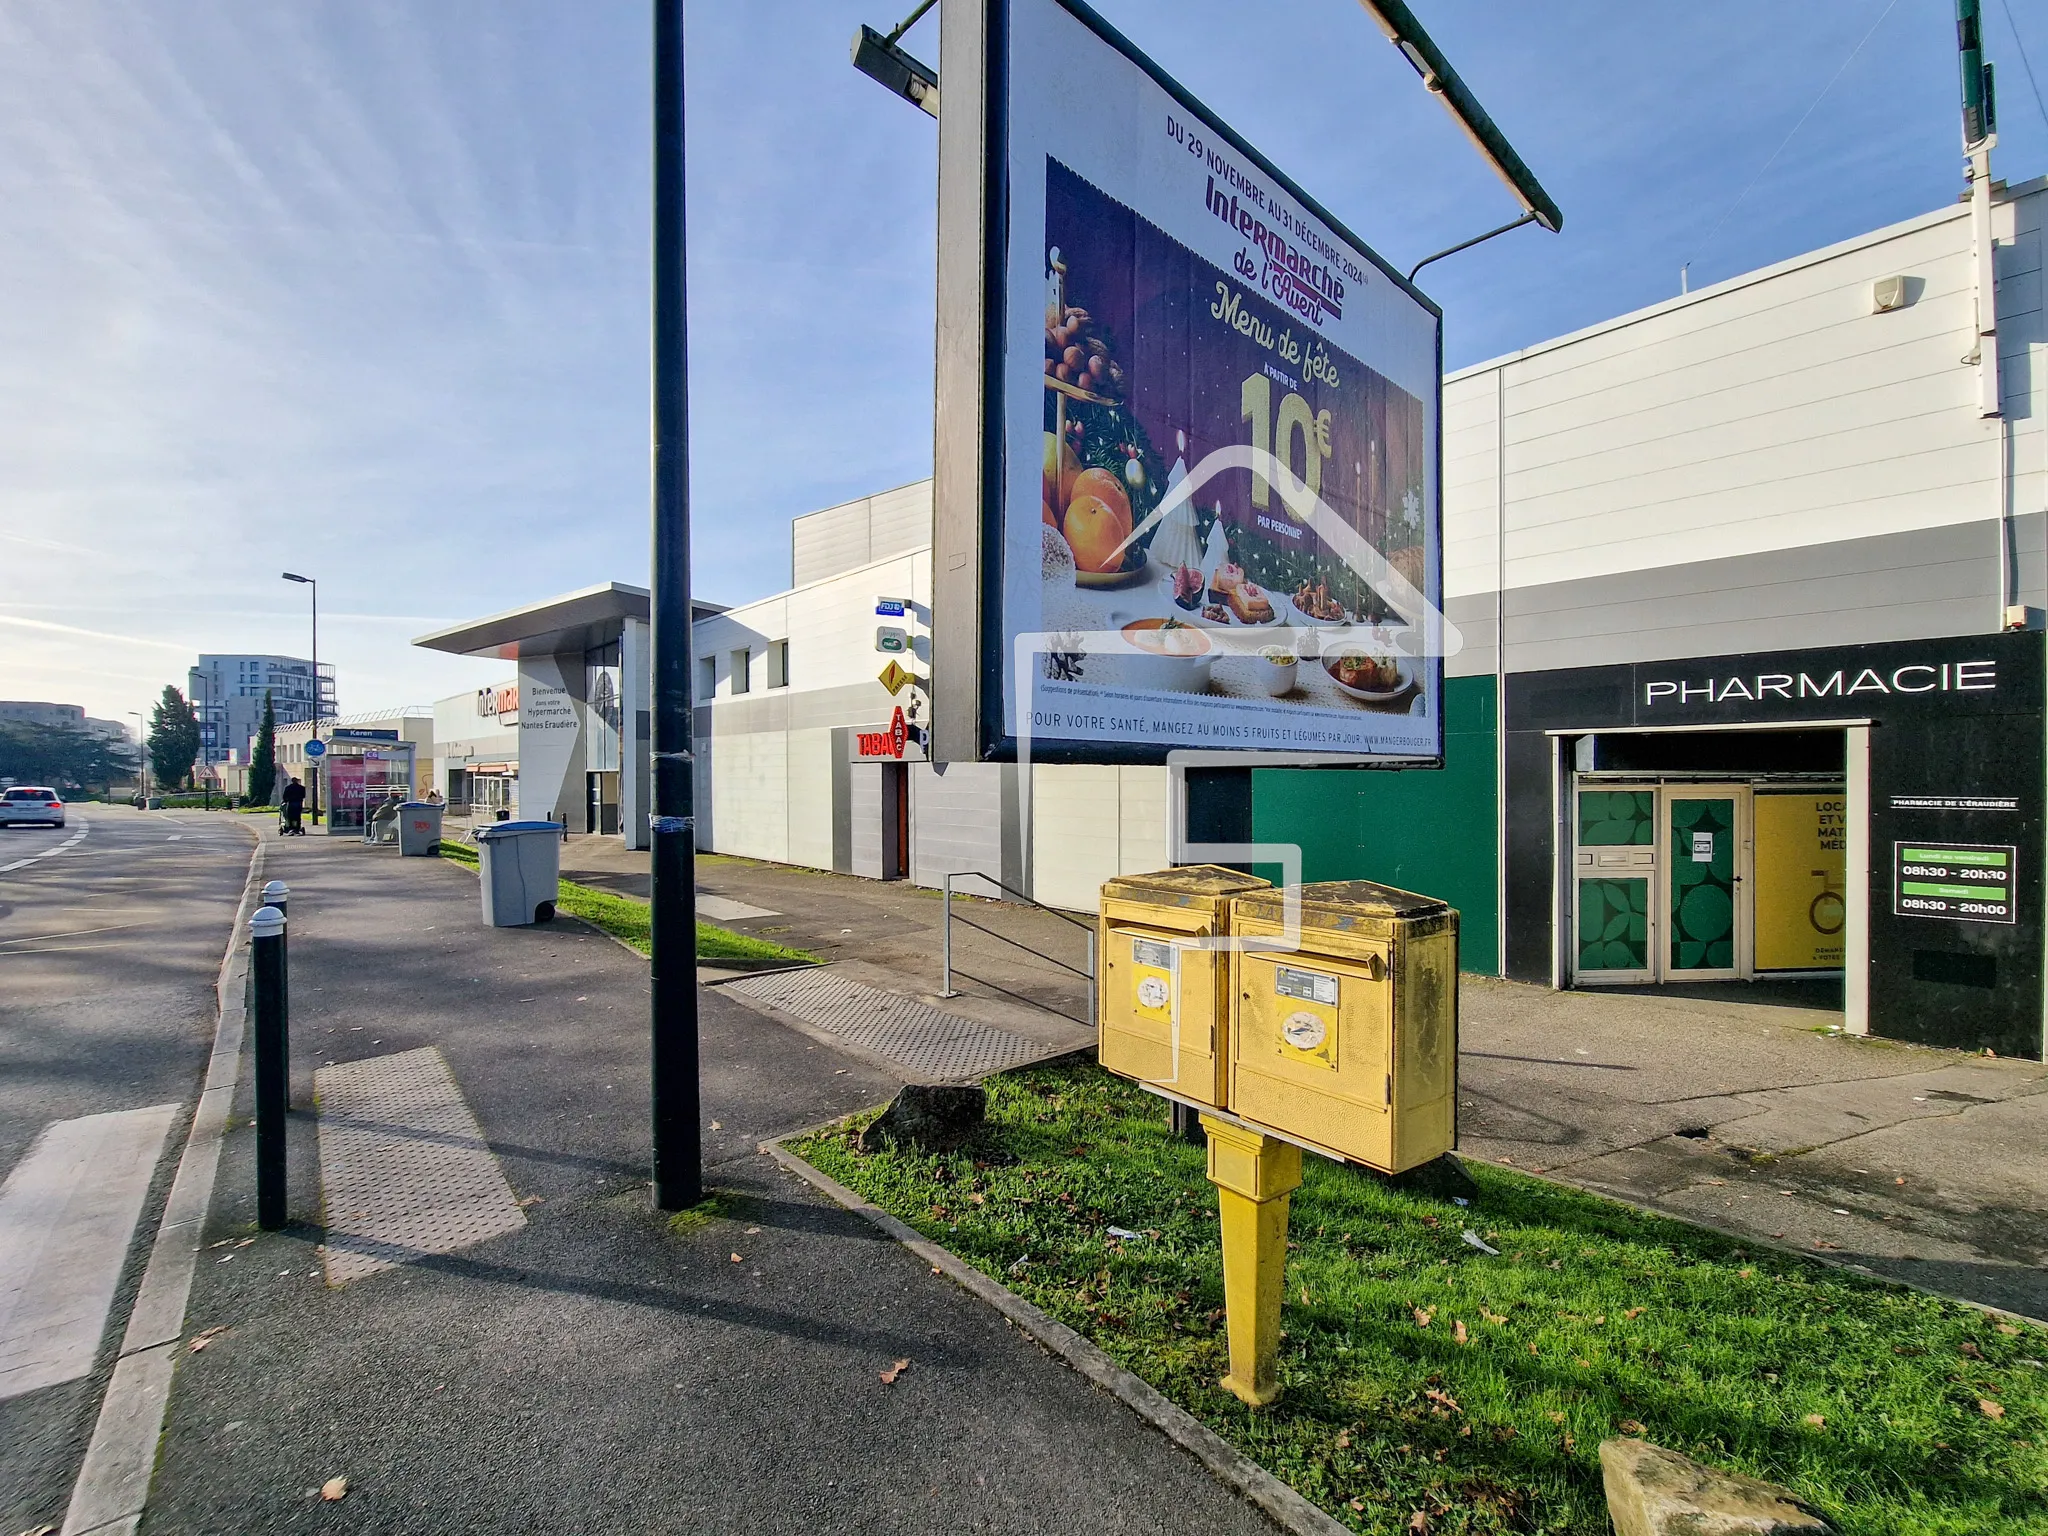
2025	63
1759	176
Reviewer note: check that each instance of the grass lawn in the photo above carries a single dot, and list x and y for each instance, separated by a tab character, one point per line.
1425	1375
624	918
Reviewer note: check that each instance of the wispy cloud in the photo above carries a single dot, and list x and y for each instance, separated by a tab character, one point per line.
44	627
360	286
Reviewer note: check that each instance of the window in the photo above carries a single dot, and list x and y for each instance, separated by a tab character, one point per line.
707	678
741	660
778	663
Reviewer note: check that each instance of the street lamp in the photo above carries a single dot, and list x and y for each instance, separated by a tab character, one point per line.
142	753
313	772
204	716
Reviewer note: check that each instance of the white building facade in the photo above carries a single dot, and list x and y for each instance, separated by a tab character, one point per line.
227	692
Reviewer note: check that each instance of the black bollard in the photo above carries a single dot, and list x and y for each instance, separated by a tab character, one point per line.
273	1071
277	894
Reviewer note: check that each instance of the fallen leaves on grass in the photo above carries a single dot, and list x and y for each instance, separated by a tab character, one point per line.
1633	1313
2010	1330
1497	1319
1989	1409
1630	1427
1458	1333
1418	1522
1814	1421
1423	1316
1443	1400
334	1490
889	1376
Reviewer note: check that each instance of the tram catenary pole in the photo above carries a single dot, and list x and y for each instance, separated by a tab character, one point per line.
678	1145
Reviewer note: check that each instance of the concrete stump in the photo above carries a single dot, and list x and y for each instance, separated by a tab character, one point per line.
940	1117
1655	1492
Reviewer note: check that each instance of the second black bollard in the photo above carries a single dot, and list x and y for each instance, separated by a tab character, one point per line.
276	894
273	1069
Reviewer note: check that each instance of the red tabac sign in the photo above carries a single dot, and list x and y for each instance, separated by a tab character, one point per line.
893	743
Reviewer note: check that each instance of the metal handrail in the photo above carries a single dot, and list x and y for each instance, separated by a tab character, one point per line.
946	984
1065	917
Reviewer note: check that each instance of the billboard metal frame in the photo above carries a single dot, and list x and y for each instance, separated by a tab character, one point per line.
969	654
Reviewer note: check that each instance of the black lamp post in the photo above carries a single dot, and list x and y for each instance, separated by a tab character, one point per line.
678	1145
313	771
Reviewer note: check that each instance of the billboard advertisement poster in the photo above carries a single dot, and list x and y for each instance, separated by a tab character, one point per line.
1218	518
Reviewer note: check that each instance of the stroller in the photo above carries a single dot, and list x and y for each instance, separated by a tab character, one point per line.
290	822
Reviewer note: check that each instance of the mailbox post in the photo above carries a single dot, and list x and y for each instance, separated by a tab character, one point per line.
1255	1177
1337	1033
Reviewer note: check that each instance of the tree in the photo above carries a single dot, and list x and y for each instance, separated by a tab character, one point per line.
263	761
61	756
173	738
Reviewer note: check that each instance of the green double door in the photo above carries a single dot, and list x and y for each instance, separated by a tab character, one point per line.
1658	883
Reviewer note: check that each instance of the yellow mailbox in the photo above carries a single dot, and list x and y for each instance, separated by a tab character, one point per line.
1348	1044
1161	1002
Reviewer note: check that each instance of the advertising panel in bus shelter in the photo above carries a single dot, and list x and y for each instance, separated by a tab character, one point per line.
1219	501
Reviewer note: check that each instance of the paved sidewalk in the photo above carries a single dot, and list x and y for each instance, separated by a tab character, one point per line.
601	1369
1731	1106
1930	1166
1016	966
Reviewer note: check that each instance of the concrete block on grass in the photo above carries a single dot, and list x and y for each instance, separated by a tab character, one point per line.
940	1117
1655	1492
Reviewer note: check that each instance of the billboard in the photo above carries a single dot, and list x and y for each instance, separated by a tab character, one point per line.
1213	520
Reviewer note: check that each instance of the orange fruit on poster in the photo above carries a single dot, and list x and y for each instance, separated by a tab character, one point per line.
1093	532
1045	515
1057	474
1102	485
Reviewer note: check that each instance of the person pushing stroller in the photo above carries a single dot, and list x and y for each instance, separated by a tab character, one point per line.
293	803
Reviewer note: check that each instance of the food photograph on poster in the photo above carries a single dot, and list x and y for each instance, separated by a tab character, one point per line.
1236	535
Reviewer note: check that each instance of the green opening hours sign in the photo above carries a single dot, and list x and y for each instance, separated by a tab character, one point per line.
1964	882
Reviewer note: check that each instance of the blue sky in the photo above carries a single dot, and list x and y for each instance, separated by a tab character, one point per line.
359	286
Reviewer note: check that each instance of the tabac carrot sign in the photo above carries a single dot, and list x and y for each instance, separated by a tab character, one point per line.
894	743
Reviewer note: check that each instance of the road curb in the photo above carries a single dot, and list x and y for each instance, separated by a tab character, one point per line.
1278	1502
113	1483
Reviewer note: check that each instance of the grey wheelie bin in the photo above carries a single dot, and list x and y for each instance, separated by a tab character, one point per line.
419	828
522	871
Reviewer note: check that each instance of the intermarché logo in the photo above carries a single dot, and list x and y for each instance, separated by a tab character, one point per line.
1947	677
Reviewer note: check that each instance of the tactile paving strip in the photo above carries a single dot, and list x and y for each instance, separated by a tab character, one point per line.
404	1167
928	1042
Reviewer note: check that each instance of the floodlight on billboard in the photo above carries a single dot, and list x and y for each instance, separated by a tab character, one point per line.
1189	429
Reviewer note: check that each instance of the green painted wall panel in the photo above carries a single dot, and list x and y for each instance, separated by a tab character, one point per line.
1422	829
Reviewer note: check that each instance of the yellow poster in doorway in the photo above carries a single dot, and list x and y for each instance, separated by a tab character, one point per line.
1801	853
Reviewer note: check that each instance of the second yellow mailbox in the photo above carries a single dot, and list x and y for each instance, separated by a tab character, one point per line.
1350	1042
1162	994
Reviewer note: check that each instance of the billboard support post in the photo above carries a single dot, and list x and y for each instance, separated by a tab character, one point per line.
964	431
678	1147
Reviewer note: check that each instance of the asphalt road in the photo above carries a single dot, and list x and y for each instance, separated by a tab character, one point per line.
109	949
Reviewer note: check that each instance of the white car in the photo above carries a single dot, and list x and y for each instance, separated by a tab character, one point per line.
31	805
